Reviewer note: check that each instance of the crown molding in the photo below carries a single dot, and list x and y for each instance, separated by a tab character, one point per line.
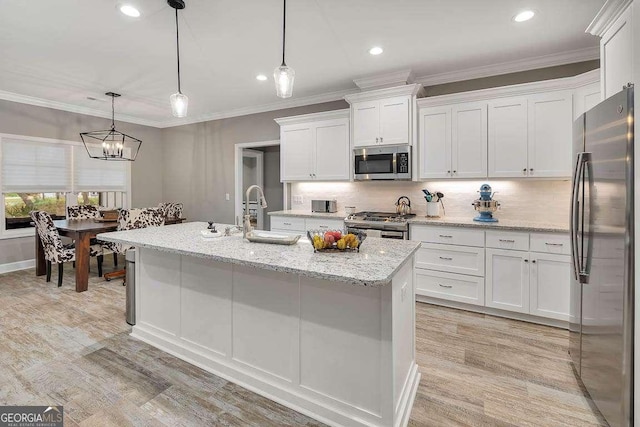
314	117
551	60
46	103
607	15
281	105
413	89
378	81
566	83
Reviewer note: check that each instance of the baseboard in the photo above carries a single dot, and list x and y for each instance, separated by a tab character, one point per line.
16	266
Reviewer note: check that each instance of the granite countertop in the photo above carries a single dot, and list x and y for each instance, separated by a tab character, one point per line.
308	214
375	264
502	224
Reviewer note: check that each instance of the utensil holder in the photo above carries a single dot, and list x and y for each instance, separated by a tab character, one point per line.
433	209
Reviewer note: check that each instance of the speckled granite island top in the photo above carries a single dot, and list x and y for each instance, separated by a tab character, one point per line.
375	264
502	224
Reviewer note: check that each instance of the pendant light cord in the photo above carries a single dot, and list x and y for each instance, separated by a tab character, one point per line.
113	113
284	30
178	49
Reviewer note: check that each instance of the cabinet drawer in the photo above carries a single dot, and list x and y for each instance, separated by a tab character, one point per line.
287	223
451	259
553	243
449	286
289	232
447	235
508	240
324	224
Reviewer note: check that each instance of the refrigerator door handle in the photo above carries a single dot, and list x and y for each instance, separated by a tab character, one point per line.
578	172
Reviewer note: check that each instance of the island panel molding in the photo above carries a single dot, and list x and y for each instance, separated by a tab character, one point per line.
342	354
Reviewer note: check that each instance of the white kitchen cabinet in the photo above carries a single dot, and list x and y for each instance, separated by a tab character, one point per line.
448	286
394	121
585	98
435	143
332	153
297	225
296	153
549	284
507	140
550	127
384	116
469	140
507	280
616	55
382	122
453	141
324	224
315	147
366	123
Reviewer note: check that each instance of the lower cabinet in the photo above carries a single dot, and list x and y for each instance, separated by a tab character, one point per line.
528	282
298	225
450	286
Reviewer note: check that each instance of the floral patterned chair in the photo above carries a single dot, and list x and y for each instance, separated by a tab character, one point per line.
54	250
83	212
88	212
171	210
129	219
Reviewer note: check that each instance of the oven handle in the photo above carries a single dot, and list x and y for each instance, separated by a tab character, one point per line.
395	163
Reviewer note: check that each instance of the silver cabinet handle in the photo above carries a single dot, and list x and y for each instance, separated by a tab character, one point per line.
533	261
445	286
446	258
381	139
553	244
445	236
448	172
507	240
531	170
526	260
524	170
455	171
377	140
286	223
323	226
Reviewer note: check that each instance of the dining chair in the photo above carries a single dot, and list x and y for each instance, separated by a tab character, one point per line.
54	250
130	219
88	212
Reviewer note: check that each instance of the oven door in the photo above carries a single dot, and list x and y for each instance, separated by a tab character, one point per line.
385	234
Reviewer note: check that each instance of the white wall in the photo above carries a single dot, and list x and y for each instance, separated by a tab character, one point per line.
531	200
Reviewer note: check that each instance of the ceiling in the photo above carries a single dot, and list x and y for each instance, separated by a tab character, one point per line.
58	53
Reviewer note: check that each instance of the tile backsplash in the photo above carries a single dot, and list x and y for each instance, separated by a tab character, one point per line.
531	200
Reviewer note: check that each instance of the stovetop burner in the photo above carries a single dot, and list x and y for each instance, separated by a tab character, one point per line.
381	217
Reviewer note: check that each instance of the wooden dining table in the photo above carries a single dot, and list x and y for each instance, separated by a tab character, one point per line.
81	231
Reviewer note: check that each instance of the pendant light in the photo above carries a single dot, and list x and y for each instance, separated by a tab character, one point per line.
284	75
111	144
179	101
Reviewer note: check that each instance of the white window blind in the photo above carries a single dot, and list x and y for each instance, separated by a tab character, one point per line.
30	166
98	175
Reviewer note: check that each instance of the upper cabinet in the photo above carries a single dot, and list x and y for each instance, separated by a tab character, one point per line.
521	131
453	141
383	116
315	147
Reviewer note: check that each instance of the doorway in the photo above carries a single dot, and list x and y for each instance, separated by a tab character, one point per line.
258	163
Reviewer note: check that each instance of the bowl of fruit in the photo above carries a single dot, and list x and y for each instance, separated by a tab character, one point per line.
336	241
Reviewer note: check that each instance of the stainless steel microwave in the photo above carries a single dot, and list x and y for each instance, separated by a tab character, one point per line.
391	163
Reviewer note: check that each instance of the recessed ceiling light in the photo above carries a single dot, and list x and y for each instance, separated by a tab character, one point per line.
129	10
261	77
525	15
376	50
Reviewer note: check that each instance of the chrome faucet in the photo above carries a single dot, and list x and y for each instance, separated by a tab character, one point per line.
246	224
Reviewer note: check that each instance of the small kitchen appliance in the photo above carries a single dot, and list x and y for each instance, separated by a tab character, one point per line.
403	206
390	163
325	206
485	205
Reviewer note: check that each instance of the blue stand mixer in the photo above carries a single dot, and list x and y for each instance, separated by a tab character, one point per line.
485	205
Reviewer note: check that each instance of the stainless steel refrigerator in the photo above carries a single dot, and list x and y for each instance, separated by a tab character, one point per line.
601	322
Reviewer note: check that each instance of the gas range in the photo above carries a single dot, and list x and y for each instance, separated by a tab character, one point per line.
390	224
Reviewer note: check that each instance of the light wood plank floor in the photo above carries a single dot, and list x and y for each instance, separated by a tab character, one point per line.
61	347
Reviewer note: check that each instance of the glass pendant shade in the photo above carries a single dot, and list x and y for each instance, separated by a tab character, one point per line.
179	104
284	76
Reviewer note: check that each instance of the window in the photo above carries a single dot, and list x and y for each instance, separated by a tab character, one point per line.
46	174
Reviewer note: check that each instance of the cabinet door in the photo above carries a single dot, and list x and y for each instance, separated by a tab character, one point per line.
507	281
508	138
550	285
616	58
550	129
435	143
394	121
366	123
585	98
296	153
469	141
332	150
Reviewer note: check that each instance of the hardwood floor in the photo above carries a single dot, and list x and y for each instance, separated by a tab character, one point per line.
73	349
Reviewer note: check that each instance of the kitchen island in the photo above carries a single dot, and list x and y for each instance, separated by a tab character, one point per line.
329	335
